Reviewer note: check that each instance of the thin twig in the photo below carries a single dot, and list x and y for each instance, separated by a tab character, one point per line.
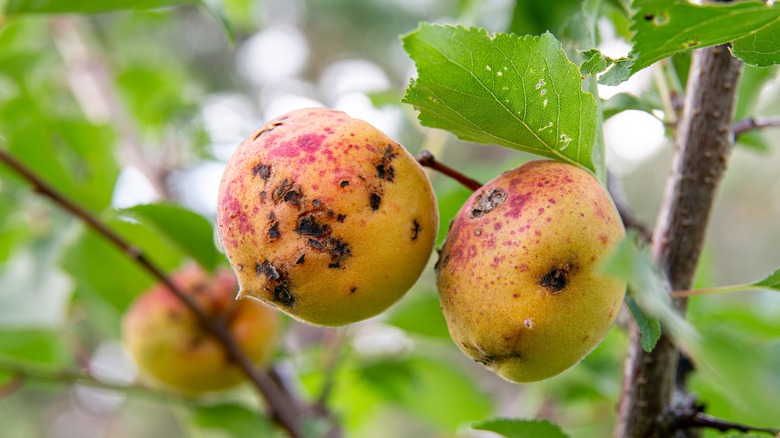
12	385
27	372
89	79
752	123
333	348
426	159
689	415
276	400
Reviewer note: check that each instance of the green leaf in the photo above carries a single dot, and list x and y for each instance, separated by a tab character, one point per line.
88	6
105	273
623	102
771	282
234	420
649	289
35	346
420	313
760	48
518	92
666	27
520	428
189	231
595	62
649	327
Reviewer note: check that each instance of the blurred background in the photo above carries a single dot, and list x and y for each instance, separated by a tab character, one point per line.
127	108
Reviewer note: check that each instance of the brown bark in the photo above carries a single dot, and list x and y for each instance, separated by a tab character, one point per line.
702	145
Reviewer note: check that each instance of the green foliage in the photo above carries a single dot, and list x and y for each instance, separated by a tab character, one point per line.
648	326
234	420
521	93
188	231
513	428
667	27
771	282
64	289
85	6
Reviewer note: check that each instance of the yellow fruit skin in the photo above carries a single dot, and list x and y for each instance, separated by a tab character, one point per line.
518	277
172	350
325	217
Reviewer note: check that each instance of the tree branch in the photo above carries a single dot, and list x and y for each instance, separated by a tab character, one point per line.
702	145
426	159
279	409
752	123
89	80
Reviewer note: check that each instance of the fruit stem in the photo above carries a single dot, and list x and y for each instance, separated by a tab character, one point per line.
710	290
426	159
280	410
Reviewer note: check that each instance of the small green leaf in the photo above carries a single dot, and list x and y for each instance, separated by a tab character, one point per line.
649	289
623	102
420	313
595	62
520	428
771	282
234	420
88	6
518	92
665	27
649	327
759	49
189	231
34	346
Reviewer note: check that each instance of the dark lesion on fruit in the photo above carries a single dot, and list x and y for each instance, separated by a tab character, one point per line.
282	294
262	170
339	252
487	202
487	360
344	183
374	200
268	128
353	289
273	232
415	229
384	169
279	285
341	217
268	269
308	226
301	259
557	278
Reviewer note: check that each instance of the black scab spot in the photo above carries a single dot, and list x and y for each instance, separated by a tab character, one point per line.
282	295
390	173
294	197
316	203
485	203
352	290
281	190
415	229
301	259
380	171
344	183
308	226
555	280
374	201
339	252
267	269
341	217
314	243
273	232
263	170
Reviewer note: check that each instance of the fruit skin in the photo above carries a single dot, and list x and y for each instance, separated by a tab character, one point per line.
325	217
171	348
518	274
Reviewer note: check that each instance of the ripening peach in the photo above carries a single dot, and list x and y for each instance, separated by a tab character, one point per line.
171	348
325	217
518	274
